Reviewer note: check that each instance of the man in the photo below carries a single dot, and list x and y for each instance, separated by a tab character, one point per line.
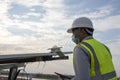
92	60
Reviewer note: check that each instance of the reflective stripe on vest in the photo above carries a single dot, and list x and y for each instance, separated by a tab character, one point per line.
99	69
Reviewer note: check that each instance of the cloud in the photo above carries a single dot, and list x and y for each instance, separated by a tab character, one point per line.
23	13
11	48
28	3
45	22
100	12
107	23
23	32
19	48
3	13
4	32
86	8
116	60
27	16
114	46
47	19
4	7
105	36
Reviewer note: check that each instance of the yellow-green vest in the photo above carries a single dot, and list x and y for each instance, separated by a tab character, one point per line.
101	65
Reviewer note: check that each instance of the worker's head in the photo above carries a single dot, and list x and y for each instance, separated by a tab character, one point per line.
81	27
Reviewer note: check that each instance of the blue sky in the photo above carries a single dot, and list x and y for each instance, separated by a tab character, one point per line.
36	25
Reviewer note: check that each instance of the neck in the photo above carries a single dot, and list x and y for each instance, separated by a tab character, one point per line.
83	37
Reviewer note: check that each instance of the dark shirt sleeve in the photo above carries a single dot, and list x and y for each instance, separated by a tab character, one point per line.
81	64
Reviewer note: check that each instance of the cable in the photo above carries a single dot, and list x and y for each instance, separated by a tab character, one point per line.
43	67
38	64
24	73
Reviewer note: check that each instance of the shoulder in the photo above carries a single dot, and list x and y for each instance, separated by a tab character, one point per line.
79	50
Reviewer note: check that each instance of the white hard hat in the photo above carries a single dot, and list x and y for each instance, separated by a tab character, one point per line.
81	22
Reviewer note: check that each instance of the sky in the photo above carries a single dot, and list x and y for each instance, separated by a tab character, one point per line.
36	25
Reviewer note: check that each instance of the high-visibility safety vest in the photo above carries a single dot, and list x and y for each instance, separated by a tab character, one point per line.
101	65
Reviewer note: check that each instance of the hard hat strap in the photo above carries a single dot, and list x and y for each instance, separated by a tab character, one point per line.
88	31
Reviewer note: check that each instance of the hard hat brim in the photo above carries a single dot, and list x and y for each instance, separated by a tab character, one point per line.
69	30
